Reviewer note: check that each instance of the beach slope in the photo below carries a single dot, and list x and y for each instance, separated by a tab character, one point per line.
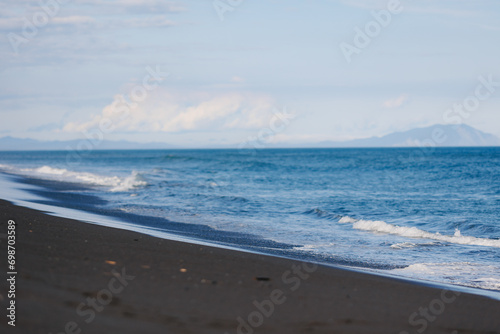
74	277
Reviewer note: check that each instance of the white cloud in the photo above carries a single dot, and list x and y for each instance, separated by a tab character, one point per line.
17	24
156	21
444	11
442	7
237	79
136	6
366	4
9	23
164	111
75	19
396	102
110	14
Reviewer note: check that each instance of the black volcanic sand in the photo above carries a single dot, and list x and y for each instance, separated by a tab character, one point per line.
75	277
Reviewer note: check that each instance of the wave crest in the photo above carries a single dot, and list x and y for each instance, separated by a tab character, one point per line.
413	232
114	183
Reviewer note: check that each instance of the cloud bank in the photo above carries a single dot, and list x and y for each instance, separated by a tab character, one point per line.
167	111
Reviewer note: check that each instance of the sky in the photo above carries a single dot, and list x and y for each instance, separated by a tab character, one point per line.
228	72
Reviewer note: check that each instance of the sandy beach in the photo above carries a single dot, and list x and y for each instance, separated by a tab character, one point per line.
74	277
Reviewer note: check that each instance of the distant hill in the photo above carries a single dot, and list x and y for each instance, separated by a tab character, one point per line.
436	135
22	144
439	135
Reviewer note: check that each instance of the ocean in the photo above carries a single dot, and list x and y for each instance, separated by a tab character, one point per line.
431	214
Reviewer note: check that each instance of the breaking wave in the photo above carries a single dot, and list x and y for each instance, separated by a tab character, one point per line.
114	183
413	232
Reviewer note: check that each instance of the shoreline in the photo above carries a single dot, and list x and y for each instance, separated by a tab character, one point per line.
56	197
74	276
53	200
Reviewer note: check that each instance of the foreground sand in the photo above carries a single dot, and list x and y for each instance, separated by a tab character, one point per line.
75	277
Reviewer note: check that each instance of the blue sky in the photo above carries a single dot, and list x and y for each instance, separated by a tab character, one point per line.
228	79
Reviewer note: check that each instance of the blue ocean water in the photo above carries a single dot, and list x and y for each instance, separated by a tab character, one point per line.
426	214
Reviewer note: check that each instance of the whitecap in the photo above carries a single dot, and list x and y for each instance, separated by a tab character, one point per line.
114	183
379	226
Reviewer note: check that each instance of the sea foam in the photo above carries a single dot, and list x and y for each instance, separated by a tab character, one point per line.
464	273
113	183
379	226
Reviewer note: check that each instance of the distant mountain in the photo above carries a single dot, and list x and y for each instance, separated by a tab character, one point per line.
436	135
22	144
